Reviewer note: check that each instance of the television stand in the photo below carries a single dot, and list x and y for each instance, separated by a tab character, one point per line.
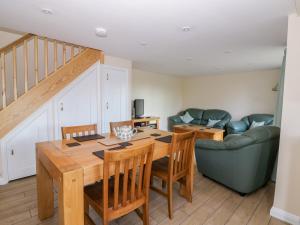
146	122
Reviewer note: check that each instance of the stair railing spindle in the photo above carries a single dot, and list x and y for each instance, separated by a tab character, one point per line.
3	80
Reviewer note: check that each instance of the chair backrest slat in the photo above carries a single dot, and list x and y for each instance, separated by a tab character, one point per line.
182	149
116	184
131	169
125	182
75	131
120	124
133	178
141	173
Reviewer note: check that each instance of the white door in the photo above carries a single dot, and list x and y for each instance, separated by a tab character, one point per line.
20	148
77	104
115	100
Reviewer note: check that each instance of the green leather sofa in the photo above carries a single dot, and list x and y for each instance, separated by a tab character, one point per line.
244	162
239	127
201	117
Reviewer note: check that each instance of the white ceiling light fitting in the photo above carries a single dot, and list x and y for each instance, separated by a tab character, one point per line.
228	52
188	58
101	32
186	28
47	11
143	43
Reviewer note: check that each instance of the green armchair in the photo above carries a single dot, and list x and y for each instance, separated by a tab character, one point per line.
244	162
201	117
239	127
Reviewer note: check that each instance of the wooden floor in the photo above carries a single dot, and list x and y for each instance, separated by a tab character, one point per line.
212	204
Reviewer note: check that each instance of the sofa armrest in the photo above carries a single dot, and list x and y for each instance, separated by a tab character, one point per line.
231	142
173	120
236	127
210	144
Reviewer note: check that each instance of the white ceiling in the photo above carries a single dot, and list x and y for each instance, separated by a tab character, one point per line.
252	31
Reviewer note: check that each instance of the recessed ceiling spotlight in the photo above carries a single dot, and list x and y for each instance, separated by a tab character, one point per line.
188	58
101	32
228	52
143	43
217	68
47	11
186	28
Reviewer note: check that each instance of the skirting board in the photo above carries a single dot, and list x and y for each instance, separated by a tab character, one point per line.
3	181
285	216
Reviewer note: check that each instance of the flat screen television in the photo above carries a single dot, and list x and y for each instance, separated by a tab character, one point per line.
138	108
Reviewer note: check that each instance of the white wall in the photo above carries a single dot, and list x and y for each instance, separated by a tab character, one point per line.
162	94
7	38
287	192
239	94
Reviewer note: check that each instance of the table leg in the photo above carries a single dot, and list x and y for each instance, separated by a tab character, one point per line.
45	196
70	198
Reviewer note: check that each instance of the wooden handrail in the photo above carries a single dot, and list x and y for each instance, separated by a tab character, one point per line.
39	61
16	43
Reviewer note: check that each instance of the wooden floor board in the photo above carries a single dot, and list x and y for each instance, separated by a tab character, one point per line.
244	212
213	204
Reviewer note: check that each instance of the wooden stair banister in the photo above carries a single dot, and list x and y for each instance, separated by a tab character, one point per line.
25	99
16	42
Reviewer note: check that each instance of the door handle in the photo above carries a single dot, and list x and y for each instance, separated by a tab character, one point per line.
107	105
61	106
12	152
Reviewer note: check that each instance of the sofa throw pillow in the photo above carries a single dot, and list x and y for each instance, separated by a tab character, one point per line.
256	124
186	118
211	123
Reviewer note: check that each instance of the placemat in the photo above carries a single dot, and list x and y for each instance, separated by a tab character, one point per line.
166	139
73	144
125	144
99	154
117	148
88	137
155	135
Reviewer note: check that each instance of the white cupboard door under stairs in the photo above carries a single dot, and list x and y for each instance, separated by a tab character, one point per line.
78	104
20	147
115	98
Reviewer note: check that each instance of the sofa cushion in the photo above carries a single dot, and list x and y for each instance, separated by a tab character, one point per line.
256	124
195	113
196	122
211	122
213	114
267	118
186	118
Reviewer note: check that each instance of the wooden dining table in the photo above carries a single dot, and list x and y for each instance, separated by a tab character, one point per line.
69	169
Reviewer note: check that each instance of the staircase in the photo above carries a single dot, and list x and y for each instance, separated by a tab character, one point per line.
34	69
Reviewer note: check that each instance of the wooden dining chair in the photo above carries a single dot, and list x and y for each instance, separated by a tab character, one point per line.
120	124
126	190
75	131
176	167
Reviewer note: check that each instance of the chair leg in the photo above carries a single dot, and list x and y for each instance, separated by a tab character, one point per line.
170	199
146	214
188	188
